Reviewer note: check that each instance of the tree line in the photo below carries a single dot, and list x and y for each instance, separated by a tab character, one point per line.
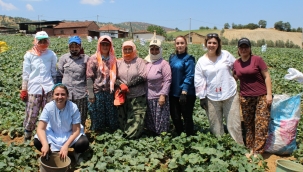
280	25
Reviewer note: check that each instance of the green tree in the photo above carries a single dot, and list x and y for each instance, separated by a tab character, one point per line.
279	25
226	26
262	24
287	27
159	30
215	28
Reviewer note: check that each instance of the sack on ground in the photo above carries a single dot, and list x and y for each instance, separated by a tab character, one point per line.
285	116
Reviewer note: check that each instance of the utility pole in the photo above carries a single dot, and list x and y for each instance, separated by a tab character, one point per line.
131	30
39	22
189	31
97	20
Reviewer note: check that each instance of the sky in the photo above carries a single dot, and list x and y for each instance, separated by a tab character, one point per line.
181	14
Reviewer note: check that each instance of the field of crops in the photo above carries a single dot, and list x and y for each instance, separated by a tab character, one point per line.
111	152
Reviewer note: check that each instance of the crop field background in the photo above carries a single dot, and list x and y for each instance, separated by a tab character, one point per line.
111	152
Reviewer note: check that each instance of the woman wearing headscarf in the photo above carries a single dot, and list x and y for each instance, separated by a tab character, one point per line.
131	79
71	70
101	77
158	84
38	78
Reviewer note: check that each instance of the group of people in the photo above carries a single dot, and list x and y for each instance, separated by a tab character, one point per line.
132	93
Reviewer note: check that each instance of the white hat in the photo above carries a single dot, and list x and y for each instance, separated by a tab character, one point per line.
41	35
156	42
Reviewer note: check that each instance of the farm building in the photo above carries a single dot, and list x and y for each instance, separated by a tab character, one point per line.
47	26
195	38
113	31
83	29
146	35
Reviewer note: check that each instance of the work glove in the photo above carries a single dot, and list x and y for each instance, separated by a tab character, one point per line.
203	103
124	88
182	99
23	95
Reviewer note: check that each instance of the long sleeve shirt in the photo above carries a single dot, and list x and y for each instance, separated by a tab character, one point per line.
214	79
183	70
130	70
158	78
101	79
39	71
73	71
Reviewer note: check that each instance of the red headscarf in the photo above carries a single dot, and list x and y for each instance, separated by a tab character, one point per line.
132	55
112	61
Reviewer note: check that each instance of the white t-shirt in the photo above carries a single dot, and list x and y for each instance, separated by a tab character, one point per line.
214	79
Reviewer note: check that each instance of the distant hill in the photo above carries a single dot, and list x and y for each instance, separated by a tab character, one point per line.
11	22
138	26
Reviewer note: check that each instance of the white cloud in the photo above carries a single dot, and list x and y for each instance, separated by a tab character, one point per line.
7	6
112	1
92	2
29	7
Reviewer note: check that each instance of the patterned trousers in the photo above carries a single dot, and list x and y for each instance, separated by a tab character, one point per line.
256	116
82	106
35	103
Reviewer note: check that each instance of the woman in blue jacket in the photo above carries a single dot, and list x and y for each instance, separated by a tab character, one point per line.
182	91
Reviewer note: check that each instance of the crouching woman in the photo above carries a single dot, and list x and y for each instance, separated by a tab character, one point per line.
59	126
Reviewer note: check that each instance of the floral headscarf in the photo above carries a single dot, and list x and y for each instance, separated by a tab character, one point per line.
112	61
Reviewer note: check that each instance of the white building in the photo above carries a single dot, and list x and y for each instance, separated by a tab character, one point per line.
113	31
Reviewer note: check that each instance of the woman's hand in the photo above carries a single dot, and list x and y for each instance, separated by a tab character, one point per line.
161	100
268	100
92	100
63	151
44	150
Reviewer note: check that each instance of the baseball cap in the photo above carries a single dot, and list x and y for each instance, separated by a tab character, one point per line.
156	42
41	35
244	41
74	39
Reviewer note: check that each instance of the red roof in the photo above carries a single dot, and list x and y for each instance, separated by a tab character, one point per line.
74	24
108	27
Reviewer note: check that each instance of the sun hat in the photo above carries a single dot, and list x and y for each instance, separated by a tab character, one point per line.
244	41
74	39
41	35
156	42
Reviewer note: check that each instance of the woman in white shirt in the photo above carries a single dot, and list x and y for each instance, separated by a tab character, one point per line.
59	126
38	78
217	89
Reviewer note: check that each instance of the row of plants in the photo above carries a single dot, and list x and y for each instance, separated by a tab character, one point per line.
111	152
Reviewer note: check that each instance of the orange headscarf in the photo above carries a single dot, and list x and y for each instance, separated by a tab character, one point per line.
132	55
38	49
112	62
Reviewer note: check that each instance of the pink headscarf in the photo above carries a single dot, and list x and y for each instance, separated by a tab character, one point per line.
112	61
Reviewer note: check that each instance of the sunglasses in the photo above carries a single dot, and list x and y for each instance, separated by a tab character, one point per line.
210	35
